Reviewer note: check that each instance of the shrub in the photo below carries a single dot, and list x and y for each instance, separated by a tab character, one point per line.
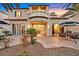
32	32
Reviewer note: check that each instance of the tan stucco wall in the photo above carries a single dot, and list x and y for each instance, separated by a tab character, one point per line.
12	16
57	21
72	28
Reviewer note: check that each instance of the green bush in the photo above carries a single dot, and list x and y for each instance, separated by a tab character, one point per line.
24	53
32	32
33	41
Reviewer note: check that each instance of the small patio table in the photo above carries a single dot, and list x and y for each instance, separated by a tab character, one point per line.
73	36
69	36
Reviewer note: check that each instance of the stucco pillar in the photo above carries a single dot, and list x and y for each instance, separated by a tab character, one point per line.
47	9
11	28
49	29
30	9
26	26
16	29
29	25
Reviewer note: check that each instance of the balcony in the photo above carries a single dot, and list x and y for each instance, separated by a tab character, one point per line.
42	14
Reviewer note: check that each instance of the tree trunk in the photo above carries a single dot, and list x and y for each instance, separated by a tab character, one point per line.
31	38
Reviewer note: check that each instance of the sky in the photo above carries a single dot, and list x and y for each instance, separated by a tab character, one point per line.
2	8
51	5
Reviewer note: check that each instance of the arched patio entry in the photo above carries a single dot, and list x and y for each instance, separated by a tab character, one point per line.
39	26
43	25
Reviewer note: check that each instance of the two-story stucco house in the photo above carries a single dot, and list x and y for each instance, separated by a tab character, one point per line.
40	17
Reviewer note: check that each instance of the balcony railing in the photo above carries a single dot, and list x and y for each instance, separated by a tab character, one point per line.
38	13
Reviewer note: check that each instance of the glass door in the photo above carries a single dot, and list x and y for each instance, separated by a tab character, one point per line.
40	28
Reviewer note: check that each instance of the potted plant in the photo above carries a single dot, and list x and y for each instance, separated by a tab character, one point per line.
6	33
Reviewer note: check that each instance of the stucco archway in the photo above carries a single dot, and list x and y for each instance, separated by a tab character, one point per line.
42	22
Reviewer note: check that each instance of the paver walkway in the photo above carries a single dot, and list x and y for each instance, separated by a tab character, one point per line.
48	42
51	42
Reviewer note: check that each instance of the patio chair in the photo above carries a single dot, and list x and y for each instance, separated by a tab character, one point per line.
1	37
74	37
68	32
62	35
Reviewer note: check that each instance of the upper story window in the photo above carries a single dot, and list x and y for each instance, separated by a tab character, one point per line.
39	8
17	13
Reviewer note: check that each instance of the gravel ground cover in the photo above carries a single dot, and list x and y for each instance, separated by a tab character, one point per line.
38	50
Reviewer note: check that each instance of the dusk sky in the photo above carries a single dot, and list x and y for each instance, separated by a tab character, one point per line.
51	5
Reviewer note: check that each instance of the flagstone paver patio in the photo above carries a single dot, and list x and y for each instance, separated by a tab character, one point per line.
47	42
51	42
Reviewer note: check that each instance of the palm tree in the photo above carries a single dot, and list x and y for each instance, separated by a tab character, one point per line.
32	32
75	6
72	10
